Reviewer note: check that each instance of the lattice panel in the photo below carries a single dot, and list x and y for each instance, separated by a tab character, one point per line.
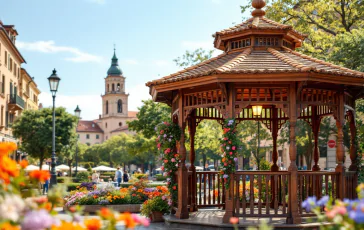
210	97
208	113
318	95
261	94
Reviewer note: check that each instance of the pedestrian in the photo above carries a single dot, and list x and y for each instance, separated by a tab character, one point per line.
125	176
208	179
95	177
118	176
45	187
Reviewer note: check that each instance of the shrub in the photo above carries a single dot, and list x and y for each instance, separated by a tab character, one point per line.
160	177
60	180
104	163
140	176
72	186
82	176
156	204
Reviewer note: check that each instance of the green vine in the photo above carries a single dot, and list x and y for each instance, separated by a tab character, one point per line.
168	135
229	145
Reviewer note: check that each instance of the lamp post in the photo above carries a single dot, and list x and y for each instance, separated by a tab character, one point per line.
53	85
257	111
78	115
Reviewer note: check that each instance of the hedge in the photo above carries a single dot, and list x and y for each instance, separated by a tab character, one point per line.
72	186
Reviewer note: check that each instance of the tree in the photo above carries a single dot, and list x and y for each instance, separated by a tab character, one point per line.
34	128
149	116
321	20
142	149
68	153
193	58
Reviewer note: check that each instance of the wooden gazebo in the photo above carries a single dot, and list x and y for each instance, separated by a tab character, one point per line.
260	67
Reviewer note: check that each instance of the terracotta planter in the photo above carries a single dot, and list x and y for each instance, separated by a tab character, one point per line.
156	217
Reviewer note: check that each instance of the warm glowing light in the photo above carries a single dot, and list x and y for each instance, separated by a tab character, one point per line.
257	110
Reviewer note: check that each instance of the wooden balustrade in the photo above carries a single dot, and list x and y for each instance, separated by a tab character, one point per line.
317	184
351	184
261	193
210	189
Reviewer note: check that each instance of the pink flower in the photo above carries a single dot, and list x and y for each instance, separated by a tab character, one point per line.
225	164
159	145
173	160
231	153
167	151
162	131
233	148
163	198
166	161
162	168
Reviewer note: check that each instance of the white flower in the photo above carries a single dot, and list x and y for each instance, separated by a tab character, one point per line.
11	207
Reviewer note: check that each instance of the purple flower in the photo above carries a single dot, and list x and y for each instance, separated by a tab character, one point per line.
104	202
235	159
309	203
225	176
165	135
149	189
37	219
357	215
323	201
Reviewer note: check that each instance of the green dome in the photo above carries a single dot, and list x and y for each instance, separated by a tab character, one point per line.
114	68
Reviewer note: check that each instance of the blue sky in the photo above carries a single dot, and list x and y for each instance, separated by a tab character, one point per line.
76	37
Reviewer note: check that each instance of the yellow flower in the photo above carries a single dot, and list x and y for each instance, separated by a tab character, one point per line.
8	226
93	224
68	226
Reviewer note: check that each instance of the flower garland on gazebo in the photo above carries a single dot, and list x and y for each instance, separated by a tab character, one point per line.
229	146
168	135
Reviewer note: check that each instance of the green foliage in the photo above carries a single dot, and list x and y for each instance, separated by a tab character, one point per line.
193	58
104	163
156	204
72	186
140	176
264	165
34	128
149	116
82	176
160	177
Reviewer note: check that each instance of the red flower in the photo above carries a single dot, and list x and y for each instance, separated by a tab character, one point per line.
174	187
162	131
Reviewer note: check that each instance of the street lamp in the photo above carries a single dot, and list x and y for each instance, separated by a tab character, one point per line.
53	85
78	115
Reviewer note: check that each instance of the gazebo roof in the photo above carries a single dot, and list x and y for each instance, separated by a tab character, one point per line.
258	62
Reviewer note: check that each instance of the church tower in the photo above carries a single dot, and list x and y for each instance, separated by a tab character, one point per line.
115	100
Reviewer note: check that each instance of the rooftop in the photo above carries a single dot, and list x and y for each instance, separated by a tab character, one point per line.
88	126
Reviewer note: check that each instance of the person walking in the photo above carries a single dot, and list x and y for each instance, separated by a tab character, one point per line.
118	176
125	176
45	187
95	177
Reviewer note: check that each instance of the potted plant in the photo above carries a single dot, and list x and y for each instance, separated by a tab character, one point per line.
155	208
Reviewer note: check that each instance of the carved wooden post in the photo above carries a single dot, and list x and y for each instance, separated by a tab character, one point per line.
315	129
274	167
294	217
193	191
353	148
340	149
229	194
182	211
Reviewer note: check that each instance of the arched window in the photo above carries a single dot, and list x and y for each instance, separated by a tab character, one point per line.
113	87
107	107
108	89
106	125
120	124
120	106
118	87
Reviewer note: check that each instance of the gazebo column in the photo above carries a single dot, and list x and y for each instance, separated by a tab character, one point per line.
182	211
229	193
192	169
340	149
294	217
274	167
353	148
315	129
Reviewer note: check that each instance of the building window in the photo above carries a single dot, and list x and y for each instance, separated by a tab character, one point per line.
93	125
118	87
6	58
2	89
113	87
106	125
87	136
97	136
266	41
120	124
2	116
108	88
120	106
240	44
107	107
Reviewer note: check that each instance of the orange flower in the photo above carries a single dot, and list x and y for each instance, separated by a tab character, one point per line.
8	226
23	164
234	220
5	148
93	224
128	220
40	175
68	226
48	206
8	168
106	213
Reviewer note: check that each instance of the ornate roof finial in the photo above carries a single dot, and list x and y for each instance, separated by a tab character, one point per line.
258	5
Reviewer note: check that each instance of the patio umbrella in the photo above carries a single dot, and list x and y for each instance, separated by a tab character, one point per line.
62	167
103	168
79	169
31	168
45	167
199	168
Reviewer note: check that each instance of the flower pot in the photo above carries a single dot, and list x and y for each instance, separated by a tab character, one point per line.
156	216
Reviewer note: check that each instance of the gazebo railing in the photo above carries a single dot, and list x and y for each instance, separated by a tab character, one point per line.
317	184
261	193
210	189
351	184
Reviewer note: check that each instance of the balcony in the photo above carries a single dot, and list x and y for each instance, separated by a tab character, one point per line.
15	103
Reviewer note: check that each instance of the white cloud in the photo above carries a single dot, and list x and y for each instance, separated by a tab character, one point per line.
97	1
130	61
193	45
51	47
91	105
161	63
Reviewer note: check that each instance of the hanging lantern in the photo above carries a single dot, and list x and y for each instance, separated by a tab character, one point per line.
257	110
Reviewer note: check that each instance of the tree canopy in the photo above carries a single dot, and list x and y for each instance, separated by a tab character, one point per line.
34	128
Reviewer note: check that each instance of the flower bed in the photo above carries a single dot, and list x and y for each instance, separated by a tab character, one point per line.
124	199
